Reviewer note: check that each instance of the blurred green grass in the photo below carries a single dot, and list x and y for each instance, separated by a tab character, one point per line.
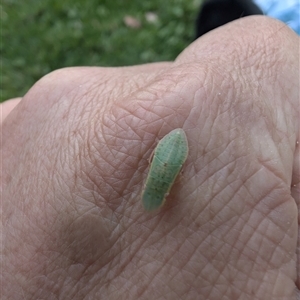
40	36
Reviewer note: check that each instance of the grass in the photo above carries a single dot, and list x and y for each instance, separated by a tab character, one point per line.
40	36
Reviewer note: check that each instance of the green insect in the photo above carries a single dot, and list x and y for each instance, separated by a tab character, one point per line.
167	160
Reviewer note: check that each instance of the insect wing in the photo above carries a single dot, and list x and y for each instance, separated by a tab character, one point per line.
169	156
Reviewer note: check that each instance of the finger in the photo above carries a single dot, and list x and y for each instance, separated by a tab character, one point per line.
7	106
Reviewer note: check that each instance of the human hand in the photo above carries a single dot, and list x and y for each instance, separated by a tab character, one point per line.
74	154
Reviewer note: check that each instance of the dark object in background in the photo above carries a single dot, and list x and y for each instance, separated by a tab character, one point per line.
215	13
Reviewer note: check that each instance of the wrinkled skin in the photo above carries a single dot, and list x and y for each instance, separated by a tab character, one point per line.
74	154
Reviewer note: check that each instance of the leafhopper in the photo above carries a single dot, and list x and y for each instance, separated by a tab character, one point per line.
168	157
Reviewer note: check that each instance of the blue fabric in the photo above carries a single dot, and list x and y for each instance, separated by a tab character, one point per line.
287	11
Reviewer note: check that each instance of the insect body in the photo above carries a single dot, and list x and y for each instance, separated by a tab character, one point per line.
168	158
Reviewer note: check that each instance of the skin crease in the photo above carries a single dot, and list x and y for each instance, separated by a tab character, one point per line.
74	154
